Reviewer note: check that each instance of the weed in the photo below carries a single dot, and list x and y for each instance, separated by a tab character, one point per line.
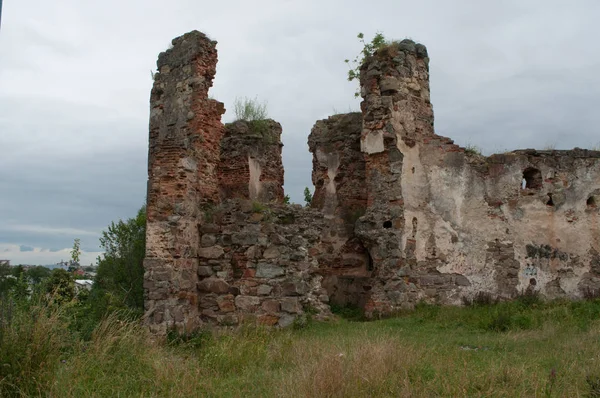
529	298
480	299
471	149
593	383
250	110
258	207
591	294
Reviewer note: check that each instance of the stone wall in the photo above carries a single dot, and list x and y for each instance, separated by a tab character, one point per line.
500	224
399	214
258	263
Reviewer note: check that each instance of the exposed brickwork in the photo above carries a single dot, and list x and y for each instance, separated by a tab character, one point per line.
185	136
399	214
250	166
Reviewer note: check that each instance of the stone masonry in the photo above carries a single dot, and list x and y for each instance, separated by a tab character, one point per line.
399	214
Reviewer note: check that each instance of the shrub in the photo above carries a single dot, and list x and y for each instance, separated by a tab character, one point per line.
250	109
367	51
307	196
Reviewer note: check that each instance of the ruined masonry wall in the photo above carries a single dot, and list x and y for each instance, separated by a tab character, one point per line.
399	214
185	135
467	224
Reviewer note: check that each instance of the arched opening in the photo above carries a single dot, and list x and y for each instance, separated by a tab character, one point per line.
591	202
533	178
550	202
387	224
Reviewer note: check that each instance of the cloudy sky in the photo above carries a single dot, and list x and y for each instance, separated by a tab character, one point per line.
75	79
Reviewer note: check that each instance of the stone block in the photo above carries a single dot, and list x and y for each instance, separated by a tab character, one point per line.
213	285
247	303
291	305
266	270
211	252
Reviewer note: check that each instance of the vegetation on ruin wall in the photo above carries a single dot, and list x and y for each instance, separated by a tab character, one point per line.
255	113
369	47
524	348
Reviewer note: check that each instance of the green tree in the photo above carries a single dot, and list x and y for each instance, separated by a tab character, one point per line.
120	269
60	286
18	271
37	274
307	196
7	280
76	252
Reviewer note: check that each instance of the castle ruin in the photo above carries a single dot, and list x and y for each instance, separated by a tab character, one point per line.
399	214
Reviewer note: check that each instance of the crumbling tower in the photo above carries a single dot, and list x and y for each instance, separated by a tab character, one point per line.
185	136
396	107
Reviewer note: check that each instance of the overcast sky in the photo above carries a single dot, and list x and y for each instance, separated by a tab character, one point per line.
75	79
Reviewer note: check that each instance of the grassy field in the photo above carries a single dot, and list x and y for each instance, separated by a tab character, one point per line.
524	348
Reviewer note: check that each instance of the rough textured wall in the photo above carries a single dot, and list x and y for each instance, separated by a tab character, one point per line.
258	263
185	136
341	195
460	223
250	166
399	213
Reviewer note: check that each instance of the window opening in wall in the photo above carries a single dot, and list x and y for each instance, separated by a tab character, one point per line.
550	202
591	202
533	178
387	224
370	266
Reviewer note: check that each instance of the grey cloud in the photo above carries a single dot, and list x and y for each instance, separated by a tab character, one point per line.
24	248
75	83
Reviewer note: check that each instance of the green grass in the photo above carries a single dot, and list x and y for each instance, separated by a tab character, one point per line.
523	348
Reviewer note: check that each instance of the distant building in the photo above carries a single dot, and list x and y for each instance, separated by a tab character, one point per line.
4	262
81	284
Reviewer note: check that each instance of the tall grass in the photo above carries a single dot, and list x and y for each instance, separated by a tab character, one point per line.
33	338
541	349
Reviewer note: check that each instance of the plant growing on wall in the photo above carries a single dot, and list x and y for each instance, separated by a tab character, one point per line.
249	109
253	112
368	49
